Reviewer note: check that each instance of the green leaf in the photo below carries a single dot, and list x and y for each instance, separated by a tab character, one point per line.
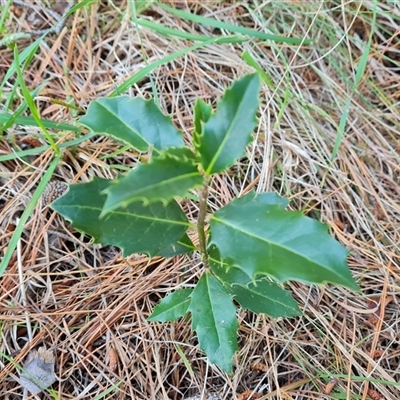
202	113
226	133
227	273
172	307
263	296
136	121
264	239
270	198
135	229
214	320
165	177
182	246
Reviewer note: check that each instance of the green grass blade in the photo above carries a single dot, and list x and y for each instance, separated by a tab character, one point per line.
31	49
185	35
41	149
14	116
27	213
78	6
163	30
27	53
108	391
254	64
31	103
149	68
359	379
4	12
30	121
234	28
185	360
359	74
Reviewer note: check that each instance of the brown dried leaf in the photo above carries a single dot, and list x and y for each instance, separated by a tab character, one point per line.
372	303
29	142
330	385
377	353
341	225
259	366
112	357
38	373
248	395
375	395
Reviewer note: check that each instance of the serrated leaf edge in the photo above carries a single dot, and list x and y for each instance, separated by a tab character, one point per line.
153	200
227	136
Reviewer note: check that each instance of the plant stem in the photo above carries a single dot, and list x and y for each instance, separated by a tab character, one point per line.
203	195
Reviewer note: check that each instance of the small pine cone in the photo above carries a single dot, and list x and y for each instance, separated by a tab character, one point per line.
53	191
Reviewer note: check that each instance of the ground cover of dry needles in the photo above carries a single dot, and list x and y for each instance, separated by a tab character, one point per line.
328	139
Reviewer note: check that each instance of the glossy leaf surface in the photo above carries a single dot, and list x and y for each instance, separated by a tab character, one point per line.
135	229
225	270
266	297
226	133
202	113
260	296
265	239
214	320
182	246
164	178
137	121
172	307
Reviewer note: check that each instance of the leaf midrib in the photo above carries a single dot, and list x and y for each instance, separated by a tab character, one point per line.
73	206
213	312
124	123
227	136
166	182
236	228
263	295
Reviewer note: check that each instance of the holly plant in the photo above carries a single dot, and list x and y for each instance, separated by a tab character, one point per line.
249	248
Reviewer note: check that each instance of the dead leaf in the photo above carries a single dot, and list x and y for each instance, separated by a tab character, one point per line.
375	395
38	373
259	366
341	225
112	357
248	395
330	385
376	354
372	303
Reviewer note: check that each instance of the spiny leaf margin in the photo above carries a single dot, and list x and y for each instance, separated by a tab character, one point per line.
135	229
168	175
264	296
263	239
225	133
258	296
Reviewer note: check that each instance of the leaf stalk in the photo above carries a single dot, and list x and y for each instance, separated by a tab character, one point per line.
203	196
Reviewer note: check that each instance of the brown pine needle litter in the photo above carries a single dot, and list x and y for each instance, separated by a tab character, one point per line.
328	139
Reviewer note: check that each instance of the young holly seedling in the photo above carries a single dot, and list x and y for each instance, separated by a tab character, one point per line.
253	244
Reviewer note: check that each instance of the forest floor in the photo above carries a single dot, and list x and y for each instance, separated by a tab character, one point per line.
327	139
